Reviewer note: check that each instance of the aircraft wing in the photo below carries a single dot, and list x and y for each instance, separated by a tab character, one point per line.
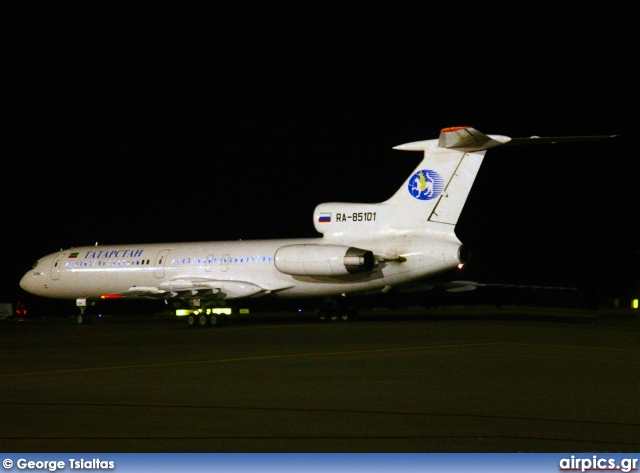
464	286
198	287
453	286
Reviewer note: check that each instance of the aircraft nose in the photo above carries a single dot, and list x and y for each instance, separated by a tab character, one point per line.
26	282
23	282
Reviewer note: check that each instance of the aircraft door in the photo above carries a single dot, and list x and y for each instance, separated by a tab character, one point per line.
160	262
224	262
209	263
55	266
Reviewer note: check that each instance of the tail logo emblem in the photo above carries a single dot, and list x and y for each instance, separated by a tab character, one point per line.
426	185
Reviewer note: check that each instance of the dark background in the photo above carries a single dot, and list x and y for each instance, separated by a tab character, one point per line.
208	121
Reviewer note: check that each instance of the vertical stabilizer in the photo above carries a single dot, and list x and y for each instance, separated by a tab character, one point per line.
431	199
438	188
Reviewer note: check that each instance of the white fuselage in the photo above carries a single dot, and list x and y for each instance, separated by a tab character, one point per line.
95	271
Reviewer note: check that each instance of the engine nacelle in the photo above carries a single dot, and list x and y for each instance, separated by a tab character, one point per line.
323	260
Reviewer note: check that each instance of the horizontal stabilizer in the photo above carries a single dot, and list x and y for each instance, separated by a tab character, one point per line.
461	138
469	140
537	140
465	138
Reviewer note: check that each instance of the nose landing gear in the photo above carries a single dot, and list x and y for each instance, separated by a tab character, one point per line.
82	318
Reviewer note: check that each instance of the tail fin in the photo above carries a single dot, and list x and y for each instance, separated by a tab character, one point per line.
432	197
438	188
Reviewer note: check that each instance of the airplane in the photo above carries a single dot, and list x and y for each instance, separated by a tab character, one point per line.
364	248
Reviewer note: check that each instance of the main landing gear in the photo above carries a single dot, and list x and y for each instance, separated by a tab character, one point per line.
206	318
206	315
333	311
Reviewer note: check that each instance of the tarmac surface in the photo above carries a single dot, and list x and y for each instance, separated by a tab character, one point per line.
421	381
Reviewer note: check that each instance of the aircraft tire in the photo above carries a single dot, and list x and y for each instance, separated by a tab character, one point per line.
347	315
217	320
323	316
191	320
202	320
334	316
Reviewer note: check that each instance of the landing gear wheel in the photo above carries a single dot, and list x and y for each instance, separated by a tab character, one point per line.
334	316
191	320
217	320
83	319
202	320
323	315
353	315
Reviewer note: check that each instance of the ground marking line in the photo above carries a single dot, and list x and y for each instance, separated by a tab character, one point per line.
250	358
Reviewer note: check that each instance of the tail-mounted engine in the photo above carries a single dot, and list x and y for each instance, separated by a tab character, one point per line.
323	260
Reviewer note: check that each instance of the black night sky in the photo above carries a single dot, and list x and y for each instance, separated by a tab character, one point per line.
228	120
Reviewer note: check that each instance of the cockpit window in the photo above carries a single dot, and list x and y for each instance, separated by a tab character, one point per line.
35	264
